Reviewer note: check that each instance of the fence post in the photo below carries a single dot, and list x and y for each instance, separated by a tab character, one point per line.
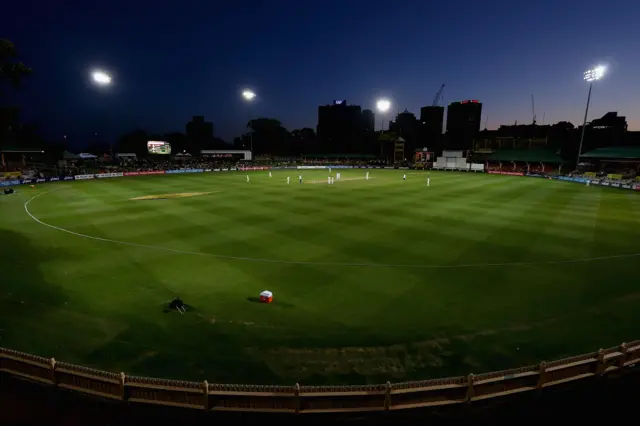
623	358
601	366
387	396
123	389
296	396
205	389
543	375
52	362
470	390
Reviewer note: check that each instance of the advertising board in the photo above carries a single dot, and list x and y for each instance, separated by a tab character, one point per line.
108	175
497	172
184	171
572	179
11	174
35	180
155	172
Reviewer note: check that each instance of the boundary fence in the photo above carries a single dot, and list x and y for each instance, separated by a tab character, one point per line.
316	399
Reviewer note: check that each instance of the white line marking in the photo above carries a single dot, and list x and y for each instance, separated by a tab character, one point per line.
311	263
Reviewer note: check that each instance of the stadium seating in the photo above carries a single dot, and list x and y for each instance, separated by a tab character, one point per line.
455	160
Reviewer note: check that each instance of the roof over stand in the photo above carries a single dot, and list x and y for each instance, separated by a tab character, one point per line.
619	152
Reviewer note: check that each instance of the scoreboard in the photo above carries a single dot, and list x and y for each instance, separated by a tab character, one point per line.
424	157
159	147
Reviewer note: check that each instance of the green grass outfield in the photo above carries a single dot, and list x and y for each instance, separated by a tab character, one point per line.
373	280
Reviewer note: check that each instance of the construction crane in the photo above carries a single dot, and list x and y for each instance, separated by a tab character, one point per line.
436	99
533	110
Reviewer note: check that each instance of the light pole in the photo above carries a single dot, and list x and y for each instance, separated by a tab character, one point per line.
102	78
590	76
382	106
249	96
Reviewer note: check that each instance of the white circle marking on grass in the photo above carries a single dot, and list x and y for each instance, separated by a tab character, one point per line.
312	263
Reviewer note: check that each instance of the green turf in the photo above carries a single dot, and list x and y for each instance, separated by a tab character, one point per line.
343	313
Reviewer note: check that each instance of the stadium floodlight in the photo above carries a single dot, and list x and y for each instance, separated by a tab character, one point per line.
595	74
383	105
248	95
101	78
589	76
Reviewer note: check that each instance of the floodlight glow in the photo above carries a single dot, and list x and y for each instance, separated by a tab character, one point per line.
383	105
248	95
595	74
101	78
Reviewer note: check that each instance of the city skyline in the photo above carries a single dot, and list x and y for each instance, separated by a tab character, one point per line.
167	69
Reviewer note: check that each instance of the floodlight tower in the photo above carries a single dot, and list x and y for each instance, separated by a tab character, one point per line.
249	96
383	106
590	76
103	79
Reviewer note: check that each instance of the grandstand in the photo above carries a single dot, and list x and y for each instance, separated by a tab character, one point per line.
455	160
509	143
612	163
517	155
613	158
20	161
524	161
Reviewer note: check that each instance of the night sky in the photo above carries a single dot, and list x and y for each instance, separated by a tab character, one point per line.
170	62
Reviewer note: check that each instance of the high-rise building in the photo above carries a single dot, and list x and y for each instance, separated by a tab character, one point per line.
368	120
464	116
406	126
432	118
431	123
405	122
463	123
200	132
341	126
